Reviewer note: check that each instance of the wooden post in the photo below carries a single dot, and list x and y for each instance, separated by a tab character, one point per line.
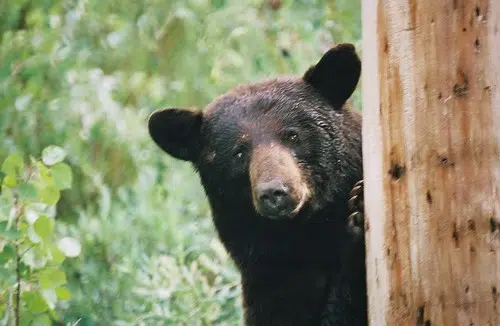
431	143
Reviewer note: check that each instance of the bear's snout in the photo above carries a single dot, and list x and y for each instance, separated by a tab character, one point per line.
274	199
278	187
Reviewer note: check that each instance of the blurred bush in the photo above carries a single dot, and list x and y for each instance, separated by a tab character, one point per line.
85	75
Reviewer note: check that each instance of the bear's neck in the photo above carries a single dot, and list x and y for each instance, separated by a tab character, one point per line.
292	268
255	241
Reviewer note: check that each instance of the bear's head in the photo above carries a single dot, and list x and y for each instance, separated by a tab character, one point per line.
280	150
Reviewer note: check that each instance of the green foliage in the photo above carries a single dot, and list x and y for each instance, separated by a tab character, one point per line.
31	279
85	75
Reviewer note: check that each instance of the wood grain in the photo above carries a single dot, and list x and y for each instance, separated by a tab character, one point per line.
431	143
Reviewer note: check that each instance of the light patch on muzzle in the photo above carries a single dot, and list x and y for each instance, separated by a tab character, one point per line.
278	186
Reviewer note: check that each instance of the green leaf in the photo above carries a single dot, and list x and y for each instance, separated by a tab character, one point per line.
71	247
61	173
51	277
44	172
50	195
44	226
57	255
7	254
35	302
10	181
13	164
52	155
11	233
42	320
63	293
27	191
53	314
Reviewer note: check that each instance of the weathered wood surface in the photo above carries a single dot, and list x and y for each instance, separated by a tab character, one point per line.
431	93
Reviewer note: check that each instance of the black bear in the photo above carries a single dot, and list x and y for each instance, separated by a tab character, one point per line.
278	160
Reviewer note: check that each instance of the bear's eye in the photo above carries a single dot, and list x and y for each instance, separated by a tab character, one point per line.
292	136
239	152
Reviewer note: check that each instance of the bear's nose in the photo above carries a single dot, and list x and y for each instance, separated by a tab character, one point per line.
274	199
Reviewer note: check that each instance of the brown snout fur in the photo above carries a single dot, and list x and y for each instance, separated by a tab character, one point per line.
274	162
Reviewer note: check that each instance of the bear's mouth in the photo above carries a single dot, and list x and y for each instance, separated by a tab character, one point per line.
300	205
288	210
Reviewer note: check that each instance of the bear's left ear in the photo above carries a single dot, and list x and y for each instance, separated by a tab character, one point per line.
177	132
336	75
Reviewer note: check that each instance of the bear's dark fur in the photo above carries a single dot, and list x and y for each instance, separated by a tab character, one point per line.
278	160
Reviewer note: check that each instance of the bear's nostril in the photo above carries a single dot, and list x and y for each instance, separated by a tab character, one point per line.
264	197
274	198
279	193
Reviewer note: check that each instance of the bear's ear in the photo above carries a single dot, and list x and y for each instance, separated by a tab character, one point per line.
336	75
177	132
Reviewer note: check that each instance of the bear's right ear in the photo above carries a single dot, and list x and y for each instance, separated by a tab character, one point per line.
336	75
177	132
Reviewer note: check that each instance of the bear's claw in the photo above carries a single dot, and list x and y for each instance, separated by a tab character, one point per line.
356	218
